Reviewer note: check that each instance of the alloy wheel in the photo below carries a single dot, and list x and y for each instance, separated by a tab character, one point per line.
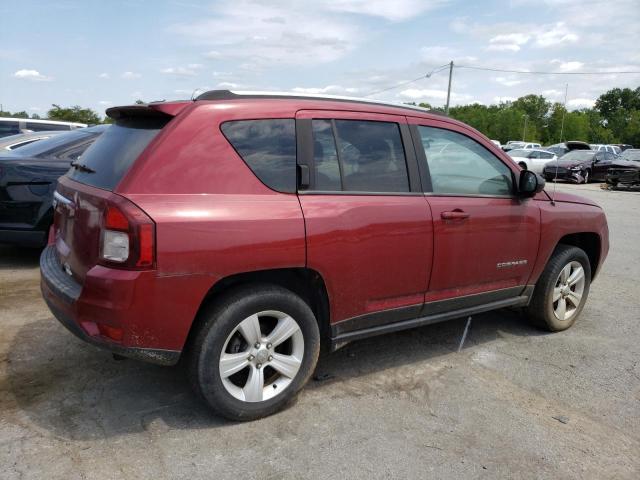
261	356
568	291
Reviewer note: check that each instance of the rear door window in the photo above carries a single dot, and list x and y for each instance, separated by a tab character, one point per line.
112	154
268	147
359	156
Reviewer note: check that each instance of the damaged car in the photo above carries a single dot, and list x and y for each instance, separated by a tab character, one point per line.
582	166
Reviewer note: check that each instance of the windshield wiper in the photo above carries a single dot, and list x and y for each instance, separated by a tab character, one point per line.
82	167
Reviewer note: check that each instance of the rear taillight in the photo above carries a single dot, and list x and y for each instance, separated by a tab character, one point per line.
128	237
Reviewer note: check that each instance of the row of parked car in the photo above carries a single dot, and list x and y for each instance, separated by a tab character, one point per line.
578	162
32	161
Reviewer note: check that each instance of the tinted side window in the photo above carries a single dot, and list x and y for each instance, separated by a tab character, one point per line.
371	156
546	155
11	127
41	127
268	147
325	157
460	165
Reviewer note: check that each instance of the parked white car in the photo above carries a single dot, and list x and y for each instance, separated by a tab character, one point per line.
497	143
598	147
516	144
533	159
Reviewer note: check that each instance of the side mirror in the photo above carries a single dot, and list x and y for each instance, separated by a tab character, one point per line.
530	183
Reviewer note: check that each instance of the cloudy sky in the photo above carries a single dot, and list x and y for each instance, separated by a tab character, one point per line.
100	53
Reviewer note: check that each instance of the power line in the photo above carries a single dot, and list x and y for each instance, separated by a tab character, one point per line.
534	72
401	84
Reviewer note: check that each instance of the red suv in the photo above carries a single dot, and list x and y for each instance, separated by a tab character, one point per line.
242	231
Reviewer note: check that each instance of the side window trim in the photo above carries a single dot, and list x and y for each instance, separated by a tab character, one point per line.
334	131
424	165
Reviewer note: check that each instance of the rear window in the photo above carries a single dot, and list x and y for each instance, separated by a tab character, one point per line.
268	147
111	156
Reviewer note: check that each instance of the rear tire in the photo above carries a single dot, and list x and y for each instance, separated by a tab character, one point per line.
246	342
562	290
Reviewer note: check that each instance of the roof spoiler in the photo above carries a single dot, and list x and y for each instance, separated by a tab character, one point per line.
156	109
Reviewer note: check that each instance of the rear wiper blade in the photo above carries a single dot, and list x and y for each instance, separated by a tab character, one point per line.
82	167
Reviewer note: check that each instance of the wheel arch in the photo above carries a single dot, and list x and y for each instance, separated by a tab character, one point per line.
304	282
590	242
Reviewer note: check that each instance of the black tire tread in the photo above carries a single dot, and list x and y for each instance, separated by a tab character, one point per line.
213	313
537	309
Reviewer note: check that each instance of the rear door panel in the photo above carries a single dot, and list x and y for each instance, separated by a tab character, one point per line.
373	250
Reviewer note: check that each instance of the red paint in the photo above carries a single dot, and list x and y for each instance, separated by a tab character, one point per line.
214	218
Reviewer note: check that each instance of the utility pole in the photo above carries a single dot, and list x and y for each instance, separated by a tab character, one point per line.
524	131
564	111
446	108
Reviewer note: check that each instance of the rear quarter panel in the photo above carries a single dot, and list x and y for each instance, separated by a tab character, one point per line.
214	218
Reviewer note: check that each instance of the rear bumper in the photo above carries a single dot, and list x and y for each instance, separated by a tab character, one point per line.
26	238
64	297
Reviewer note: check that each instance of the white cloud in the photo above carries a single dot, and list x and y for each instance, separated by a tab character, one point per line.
504	99
509	81
432	94
104	75
554	35
441	54
581	103
130	75
396	10
35	109
105	102
552	94
328	90
34	75
265	34
567	66
188	71
508	42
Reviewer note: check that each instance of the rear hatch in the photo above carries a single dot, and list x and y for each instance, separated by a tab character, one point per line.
85	193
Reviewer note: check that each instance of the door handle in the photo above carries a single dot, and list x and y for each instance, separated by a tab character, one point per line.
456	214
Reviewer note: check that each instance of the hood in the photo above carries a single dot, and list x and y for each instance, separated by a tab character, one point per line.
569	198
628	164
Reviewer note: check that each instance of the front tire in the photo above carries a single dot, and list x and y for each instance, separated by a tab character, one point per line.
256	349
562	290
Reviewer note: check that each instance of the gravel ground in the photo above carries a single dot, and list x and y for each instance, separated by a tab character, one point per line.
514	403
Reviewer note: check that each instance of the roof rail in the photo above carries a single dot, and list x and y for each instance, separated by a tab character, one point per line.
241	95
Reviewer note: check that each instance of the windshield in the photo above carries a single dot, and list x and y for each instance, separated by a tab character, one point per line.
631	154
579	155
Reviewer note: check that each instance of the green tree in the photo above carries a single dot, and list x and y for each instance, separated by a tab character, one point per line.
73	114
